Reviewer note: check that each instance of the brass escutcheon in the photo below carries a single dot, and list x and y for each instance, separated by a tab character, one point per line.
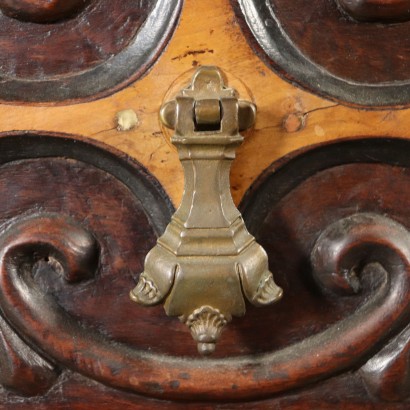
206	261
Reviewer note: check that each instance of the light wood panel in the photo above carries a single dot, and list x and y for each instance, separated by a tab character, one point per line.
208	34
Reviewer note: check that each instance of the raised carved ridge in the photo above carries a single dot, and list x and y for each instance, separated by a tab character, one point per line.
73	254
21	368
72	59
41	11
36	315
386	11
317	60
387	375
381	247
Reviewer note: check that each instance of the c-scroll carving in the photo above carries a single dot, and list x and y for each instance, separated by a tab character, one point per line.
73	254
379	242
380	247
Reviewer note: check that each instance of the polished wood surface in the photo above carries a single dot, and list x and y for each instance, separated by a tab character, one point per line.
100	49
361	64
377	10
41	11
312	173
75	252
209	33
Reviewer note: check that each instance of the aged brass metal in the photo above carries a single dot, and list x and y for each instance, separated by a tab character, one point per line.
206	261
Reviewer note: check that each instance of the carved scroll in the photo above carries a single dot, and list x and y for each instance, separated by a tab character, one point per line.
55	50
381	247
370	243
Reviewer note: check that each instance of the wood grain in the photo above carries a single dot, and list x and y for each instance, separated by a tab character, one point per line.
22	370
39	11
316	45
387	375
319	30
100	50
43	322
312	345
386	11
209	34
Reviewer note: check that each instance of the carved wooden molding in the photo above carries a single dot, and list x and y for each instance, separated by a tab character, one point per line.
37	317
22	370
307	44
380	247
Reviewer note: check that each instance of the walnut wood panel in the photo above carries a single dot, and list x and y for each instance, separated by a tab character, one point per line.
96	52
60	260
387	375
22	370
288	118
314	44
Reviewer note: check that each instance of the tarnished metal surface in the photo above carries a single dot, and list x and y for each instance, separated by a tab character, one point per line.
206	261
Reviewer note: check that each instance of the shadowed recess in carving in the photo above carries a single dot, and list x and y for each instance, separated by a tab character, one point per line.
41	11
386	11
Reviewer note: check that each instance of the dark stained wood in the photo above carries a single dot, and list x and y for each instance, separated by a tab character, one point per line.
41	11
285	205
98	51
315	44
22	370
127	365
353	51
86	323
387	375
74	392
377	10
83	185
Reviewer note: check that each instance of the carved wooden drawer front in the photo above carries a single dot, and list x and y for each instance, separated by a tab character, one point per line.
69	259
307	100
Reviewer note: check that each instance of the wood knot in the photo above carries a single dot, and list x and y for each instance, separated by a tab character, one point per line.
294	122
